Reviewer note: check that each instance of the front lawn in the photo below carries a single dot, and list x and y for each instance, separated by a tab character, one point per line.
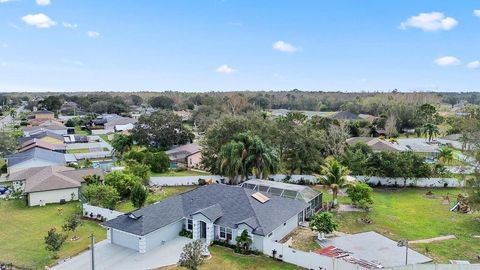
409	214
166	192
224	258
23	230
181	173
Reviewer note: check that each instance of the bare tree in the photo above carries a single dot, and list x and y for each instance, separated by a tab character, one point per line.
391	126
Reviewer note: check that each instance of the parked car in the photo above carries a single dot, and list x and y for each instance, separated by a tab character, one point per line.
3	190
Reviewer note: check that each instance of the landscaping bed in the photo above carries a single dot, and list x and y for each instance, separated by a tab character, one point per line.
225	258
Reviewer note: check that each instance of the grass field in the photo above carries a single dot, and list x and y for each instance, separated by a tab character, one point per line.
126	206
78	151
409	214
22	232
224	258
181	173
79	131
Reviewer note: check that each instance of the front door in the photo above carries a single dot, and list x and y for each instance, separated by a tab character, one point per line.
203	230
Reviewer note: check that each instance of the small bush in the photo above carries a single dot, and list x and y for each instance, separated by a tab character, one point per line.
186	233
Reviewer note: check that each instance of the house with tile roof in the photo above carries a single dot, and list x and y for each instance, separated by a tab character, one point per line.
50	184
377	144
211	212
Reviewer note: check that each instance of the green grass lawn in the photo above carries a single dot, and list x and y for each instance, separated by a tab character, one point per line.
22	232
78	151
409	214
126	206
181	173
79	131
104	137
224	258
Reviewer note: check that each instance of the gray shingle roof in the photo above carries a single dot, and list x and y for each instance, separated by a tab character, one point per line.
40	135
36	153
52	177
228	205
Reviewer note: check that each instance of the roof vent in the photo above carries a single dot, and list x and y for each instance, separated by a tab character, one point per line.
133	216
260	197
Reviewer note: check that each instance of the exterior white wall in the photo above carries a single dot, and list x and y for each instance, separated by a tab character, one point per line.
280	232
162	235
417	182
124	127
52	196
125	239
96	210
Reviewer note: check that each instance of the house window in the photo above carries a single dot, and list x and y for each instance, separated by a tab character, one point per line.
189	225
225	233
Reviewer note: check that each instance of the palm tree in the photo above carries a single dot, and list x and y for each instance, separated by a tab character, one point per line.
230	159
430	130
334	176
247	154
445	155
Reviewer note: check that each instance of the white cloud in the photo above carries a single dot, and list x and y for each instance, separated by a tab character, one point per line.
7	1
43	2
93	34
430	22
474	65
447	61
282	46
476	12
39	20
69	25
225	69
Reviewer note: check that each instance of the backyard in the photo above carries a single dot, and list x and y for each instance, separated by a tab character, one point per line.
224	258
165	192
181	173
23	245
410	214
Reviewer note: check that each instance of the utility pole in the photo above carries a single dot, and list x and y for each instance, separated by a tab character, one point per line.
404	243
93	251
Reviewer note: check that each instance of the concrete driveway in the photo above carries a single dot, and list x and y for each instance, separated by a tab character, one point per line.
109	256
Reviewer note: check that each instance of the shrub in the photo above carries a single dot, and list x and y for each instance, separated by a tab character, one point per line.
139	195
244	240
360	194
101	195
72	223
191	256
323	223
54	241
123	182
202	182
186	233
140	170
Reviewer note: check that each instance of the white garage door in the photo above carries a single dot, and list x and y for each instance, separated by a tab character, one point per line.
125	239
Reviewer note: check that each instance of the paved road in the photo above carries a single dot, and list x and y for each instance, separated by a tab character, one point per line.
109	256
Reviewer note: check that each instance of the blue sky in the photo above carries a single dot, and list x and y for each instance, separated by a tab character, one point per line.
201	45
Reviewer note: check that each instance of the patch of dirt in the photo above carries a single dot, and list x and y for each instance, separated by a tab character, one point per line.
435	239
302	238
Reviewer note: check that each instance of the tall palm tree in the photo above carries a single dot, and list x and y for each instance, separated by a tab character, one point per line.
230	161
334	175
445	155
430	130
247	154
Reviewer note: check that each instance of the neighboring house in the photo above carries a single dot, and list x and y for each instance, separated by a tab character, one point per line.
69	108
297	192
34	142
110	123
421	146
46	136
377	144
344	115
188	155
43	114
50	184
35	157
57	129
211	212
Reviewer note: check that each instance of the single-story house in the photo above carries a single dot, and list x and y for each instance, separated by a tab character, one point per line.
34	142
377	144
421	146
46	136
35	157
57	129
188	155
75	139
211	212
43	114
110	123
297	192
50	184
